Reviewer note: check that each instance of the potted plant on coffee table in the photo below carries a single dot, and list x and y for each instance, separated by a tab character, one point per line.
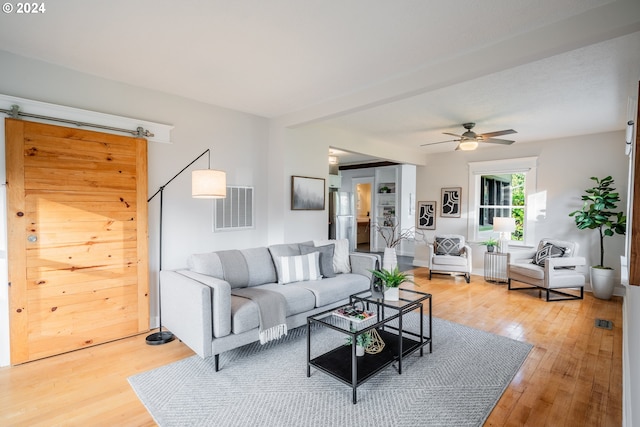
392	279
598	213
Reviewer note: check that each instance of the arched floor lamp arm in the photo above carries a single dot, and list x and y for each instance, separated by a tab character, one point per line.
163	337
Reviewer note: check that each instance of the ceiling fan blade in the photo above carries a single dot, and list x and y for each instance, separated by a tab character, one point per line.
498	141
439	142
452	134
497	133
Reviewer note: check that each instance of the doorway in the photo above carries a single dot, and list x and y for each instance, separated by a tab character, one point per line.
363	190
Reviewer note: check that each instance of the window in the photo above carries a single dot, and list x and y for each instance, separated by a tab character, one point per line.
235	212
502	188
502	196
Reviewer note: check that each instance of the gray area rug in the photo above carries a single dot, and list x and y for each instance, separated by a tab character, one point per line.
266	385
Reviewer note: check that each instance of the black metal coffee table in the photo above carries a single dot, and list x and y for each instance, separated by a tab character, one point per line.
342	363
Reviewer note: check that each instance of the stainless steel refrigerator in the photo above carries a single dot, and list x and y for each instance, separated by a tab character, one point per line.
341	217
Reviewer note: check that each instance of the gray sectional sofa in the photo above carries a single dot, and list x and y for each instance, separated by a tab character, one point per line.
201	305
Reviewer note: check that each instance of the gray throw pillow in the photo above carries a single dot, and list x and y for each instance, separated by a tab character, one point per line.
547	251
326	258
447	246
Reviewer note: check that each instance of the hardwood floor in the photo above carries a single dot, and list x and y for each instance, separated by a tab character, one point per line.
572	377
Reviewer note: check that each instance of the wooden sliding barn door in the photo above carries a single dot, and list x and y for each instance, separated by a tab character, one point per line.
77	238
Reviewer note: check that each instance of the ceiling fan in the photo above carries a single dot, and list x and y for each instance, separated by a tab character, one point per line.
469	140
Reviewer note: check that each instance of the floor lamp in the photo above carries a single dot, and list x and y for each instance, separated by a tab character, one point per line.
205	184
505	226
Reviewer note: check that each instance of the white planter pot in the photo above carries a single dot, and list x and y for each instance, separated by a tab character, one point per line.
389	259
392	294
359	350
602	282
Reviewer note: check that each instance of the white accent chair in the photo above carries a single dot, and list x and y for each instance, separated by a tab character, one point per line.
448	254
553	270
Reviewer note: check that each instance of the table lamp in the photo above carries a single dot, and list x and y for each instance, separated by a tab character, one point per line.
504	226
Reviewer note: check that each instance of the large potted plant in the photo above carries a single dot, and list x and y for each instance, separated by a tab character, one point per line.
599	213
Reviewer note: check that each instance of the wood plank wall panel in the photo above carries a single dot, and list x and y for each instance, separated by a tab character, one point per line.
84	280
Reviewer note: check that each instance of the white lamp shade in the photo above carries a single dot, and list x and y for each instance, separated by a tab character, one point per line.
468	145
504	225
208	184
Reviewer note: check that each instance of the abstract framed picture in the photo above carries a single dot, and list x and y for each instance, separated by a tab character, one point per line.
426	215
307	194
451	202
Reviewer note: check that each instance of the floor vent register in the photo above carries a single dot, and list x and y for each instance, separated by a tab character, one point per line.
604	324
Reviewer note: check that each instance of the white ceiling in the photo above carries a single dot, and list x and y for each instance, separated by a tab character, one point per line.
398	71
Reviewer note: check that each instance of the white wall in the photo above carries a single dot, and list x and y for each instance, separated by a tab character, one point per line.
564	169
239	144
304	151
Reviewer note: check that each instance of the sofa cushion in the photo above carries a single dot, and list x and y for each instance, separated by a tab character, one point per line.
329	291
244	312
298	268
527	269
298	299
260	265
235	268
570	248
326	257
341	262
207	263
442	260
244	315
547	251
284	249
447	246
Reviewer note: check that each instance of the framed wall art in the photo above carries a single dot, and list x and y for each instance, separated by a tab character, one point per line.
307	194
426	215
451	202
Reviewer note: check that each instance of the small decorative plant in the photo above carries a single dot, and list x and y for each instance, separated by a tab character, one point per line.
490	243
393	278
598	213
363	340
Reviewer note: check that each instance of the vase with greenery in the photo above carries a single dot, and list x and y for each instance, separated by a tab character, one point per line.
392	279
490	243
599	212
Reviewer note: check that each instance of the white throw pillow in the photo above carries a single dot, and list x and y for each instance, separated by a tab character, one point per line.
298	268
341	262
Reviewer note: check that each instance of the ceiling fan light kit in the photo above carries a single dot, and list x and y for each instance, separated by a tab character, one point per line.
468	145
469	140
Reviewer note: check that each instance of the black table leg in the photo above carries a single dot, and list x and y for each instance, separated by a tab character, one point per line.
354	370
400	343
308	348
